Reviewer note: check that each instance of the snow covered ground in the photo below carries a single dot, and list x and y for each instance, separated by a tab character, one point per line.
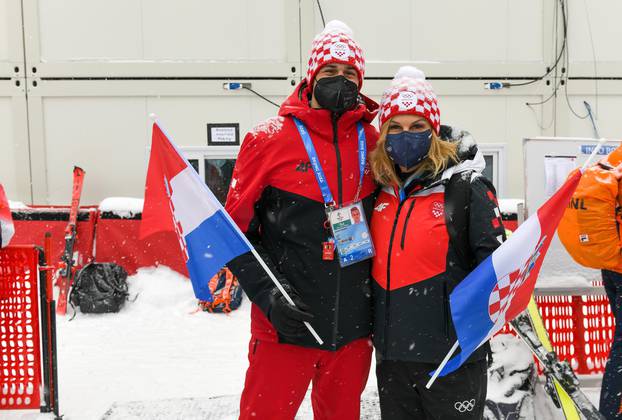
159	358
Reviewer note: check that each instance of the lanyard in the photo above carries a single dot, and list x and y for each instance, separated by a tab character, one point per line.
329	201
402	194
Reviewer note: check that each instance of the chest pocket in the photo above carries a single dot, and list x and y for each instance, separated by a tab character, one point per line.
421	243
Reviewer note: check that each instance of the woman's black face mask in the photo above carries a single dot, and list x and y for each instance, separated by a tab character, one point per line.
336	93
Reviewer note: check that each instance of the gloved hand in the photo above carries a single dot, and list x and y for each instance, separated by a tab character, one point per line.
287	319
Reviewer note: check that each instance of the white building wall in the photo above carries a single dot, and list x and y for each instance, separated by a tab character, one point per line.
90	73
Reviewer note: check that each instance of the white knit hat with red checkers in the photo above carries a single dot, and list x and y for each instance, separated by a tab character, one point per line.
411	94
335	45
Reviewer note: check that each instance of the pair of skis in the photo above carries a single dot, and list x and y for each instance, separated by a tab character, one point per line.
561	382
68	259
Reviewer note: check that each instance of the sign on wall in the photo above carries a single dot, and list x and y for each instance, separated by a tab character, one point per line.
223	134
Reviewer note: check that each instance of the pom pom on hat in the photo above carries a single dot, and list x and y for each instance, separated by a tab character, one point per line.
335	44
410	94
337	26
410	72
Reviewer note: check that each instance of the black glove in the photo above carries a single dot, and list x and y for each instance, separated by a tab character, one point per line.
287	319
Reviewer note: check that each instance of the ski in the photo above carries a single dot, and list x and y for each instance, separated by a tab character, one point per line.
553	387
562	383
67	258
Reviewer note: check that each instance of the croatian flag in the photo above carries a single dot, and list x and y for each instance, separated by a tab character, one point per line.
500	287
6	221
176	199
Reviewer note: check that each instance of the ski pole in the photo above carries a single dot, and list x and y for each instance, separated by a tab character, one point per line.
442	365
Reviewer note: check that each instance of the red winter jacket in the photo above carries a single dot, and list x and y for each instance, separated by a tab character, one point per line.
275	199
417	265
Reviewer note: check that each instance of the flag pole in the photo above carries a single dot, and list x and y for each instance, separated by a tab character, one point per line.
278	285
589	160
442	365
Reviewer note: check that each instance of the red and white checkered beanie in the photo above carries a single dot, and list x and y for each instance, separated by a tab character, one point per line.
335	45
410	94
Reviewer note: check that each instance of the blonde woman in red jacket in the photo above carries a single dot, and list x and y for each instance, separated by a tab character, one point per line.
424	248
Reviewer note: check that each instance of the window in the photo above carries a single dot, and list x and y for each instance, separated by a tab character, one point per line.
494	155
217	176
214	165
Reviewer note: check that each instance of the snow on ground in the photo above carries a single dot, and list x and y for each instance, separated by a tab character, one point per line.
158	353
511	358
155	348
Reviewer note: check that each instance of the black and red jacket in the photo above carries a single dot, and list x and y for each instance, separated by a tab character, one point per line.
417	265
275	199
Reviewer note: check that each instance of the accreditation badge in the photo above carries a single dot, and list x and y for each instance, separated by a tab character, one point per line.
351	234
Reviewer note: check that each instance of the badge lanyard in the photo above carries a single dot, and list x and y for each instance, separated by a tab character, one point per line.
350	236
329	200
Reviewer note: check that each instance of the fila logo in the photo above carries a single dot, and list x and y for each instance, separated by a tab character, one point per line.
303	167
464	406
380	207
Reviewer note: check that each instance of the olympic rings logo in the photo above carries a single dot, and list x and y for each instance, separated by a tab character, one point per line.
464	406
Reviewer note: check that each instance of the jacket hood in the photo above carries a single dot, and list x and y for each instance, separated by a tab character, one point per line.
469	156
297	105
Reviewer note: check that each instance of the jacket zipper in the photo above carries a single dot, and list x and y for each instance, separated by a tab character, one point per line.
387	314
335	328
446	309
339	202
338	153
412	205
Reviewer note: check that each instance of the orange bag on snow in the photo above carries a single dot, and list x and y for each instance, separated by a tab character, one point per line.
589	229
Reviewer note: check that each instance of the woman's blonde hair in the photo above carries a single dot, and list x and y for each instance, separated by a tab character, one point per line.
440	155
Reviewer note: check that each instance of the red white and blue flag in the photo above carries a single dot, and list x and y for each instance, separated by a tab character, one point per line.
500	287
177	200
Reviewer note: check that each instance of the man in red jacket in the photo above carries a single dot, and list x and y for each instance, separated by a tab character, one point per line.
290	169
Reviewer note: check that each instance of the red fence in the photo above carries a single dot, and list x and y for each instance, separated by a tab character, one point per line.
107	236
32	223
581	329
20	352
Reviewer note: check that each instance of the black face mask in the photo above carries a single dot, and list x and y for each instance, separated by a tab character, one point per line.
336	93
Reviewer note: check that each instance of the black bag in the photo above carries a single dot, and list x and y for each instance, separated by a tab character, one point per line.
100	288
